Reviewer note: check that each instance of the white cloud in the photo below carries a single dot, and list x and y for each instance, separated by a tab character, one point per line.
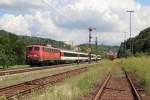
16	24
6	2
42	25
69	19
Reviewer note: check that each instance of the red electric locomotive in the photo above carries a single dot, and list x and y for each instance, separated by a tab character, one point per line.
111	55
39	54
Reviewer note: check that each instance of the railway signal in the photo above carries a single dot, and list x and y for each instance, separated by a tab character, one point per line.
90	37
96	47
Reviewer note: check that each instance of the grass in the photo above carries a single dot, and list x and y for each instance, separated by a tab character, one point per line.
15	66
140	66
75	87
22	77
19	66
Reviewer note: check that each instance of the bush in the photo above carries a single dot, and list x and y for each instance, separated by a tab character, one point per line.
140	67
6	58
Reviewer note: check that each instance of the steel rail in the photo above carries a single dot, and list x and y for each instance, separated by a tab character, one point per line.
22	70
100	91
134	91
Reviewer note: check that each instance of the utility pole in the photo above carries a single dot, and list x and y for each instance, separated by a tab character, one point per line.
96	47
124	46
124	40
131	45
90	37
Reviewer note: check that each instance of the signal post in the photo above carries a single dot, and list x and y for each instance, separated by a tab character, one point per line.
90	37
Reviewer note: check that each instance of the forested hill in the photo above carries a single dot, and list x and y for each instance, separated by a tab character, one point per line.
141	44
12	47
101	49
33	40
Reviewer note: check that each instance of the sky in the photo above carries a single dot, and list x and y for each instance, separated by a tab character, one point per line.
144	2
69	20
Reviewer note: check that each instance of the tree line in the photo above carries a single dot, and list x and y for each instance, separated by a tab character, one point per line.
101	49
140	45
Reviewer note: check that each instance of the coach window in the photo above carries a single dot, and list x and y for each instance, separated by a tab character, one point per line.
36	48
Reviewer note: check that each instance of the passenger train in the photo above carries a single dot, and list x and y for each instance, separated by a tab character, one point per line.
44	54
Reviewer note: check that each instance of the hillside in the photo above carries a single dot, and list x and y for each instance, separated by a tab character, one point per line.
141	44
101	49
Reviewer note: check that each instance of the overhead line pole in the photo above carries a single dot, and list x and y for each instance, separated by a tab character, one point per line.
124	45
131	45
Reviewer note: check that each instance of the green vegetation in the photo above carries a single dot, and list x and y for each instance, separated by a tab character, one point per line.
17	66
11	49
140	67
141	45
76	87
101	49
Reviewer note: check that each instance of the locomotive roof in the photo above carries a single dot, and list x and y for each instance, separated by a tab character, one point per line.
36	45
42	46
62	50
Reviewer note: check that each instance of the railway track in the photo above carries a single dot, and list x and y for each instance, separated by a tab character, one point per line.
22	70
116	88
28	86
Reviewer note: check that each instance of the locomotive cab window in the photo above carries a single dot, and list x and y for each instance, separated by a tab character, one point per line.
29	49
